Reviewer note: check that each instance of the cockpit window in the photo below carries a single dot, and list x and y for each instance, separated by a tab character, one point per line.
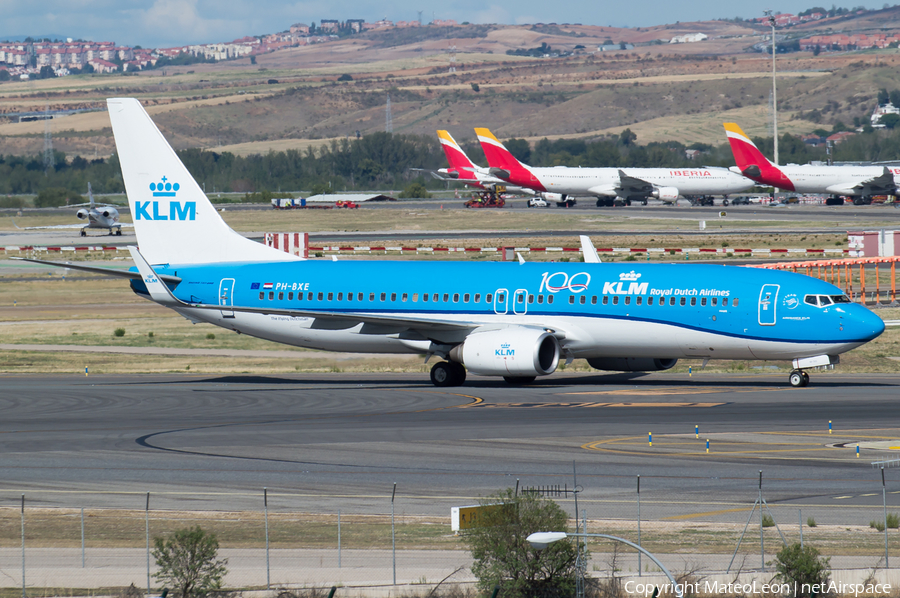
825	300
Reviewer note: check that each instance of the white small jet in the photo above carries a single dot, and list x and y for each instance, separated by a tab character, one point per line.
97	215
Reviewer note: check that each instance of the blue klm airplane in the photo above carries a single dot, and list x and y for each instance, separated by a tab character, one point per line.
515	320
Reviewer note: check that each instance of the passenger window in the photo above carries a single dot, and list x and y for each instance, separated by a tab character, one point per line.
349	296
671	300
447	297
638	300
340	297
715	300
393	296
383	296
571	299
331	296
734	302
615	300
300	296
540	298
489	298
583	300
594	300
725	302
371	296
466	298
703	301
290	296
605	300
683	301
530	298
693	301
501	297
649	300
281	295
477	297
549	298
359	296
405	296
627	300
415	297
262	294
455	297
424	296
309	297
435	298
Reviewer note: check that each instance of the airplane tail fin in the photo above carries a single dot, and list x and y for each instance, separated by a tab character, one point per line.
746	154
173	219
90	196
503	164
456	157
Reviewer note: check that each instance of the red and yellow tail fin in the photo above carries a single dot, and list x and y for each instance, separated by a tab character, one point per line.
745	151
456	157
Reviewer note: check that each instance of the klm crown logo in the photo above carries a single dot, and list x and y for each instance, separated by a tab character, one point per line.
151	210
164	188
629	276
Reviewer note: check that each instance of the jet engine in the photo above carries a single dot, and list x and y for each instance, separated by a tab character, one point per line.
665	193
631	364
110	213
82	214
553	196
515	352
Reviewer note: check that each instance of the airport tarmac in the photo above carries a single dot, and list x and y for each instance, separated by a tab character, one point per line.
322	442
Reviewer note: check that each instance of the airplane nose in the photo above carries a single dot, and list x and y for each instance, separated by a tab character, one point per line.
869	325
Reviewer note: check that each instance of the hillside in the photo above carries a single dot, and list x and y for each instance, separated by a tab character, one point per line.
292	99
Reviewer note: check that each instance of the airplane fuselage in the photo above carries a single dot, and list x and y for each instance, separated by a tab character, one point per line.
606	310
836	180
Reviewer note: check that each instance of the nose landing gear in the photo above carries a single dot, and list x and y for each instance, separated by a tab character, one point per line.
799	378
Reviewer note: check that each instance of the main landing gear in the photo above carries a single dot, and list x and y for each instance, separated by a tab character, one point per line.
448	373
798	378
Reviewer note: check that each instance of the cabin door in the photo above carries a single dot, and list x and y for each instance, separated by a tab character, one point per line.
768	299
226	290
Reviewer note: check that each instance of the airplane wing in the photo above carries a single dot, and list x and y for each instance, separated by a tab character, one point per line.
64	226
97	270
630	185
441	176
161	294
882	184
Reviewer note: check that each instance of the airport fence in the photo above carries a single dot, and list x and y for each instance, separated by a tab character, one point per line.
52	546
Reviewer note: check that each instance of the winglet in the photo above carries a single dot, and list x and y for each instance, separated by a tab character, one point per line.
158	290
589	251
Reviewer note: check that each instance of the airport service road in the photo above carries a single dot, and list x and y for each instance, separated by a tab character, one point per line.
329	441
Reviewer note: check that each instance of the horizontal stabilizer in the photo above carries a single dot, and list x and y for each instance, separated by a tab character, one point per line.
97	270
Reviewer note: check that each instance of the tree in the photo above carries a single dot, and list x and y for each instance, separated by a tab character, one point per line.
4	75
802	568
346	77
889	120
51	197
188	561
895	98
519	148
883	96
415	190
502	555
627	137
475	87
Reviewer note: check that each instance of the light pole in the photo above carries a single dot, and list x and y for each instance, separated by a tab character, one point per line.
769	14
540	540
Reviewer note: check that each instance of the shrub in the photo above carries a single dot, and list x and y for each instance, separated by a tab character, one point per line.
767	521
52	197
811	522
415	190
801	567
893	521
119	332
502	556
188	561
211	336
12	202
345	77
150	334
878	525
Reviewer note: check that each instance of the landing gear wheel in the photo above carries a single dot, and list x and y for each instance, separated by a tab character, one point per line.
644	202
118	232
798	379
725	203
519	380
459	373
83	233
442	374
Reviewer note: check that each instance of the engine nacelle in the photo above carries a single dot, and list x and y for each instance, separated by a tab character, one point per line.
107	213
82	214
513	351
665	193
631	364
553	196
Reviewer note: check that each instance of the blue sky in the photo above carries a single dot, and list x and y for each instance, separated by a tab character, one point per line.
161	23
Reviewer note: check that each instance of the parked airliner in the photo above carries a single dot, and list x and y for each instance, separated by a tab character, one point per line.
854	181
517	320
628	184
